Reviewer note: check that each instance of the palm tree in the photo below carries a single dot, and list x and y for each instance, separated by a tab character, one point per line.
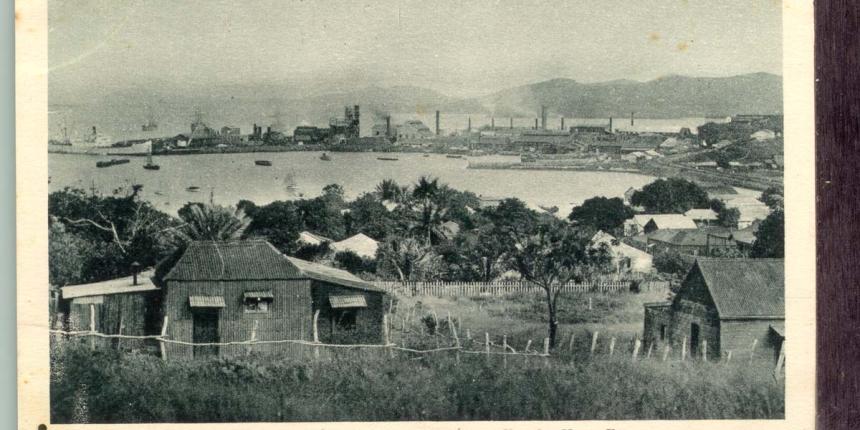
427	193
388	189
212	222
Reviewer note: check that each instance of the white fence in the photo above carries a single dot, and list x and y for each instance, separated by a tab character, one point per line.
472	289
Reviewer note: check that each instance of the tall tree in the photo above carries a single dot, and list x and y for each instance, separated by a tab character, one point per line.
211	222
601	213
673	195
553	257
770	237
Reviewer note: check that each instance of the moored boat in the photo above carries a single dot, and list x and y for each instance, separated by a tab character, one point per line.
112	162
325	157
149	164
387	158
453	156
263	163
193	189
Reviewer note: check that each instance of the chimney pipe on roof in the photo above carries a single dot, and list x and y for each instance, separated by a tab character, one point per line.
135	267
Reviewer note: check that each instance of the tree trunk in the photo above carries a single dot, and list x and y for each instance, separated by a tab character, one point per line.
551	313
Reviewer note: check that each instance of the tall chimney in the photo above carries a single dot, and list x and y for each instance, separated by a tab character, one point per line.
536	123
493	122
543	117
512	123
610	124
469	127
562	123
387	125
631	119
437	123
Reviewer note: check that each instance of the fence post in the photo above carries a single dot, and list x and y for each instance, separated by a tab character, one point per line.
570	344
161	339
468	334
728	356
92	326
752	350
611	346
589	303
505	351
666	352
317	333
704	350
253	338
636	346
528	344
594	341
436	328
454	333
650	347
119	332
487	345
684	349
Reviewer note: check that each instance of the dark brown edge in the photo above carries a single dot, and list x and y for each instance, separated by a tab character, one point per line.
837	128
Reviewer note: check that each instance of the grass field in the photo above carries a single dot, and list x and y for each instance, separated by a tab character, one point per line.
377	385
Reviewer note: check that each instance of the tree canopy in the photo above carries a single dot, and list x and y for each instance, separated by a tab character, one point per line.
673	195
601	213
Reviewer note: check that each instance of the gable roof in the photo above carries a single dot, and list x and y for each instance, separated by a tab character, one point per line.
312	238
701	214
112	286
244	260
360	244
745	287
688	237
664	221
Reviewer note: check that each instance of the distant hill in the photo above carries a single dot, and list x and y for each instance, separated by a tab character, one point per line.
667	97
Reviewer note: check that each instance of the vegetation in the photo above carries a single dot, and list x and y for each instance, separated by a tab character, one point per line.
770	237
601	213
673	195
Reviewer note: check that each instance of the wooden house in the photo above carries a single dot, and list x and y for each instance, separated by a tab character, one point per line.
220	292
728	304
127	306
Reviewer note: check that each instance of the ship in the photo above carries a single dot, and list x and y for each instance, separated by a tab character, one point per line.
193	189
111	162
149	164
454	156
150	125
290	183
387	158
263	163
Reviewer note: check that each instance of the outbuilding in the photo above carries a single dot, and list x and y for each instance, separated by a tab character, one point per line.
233	291
724	305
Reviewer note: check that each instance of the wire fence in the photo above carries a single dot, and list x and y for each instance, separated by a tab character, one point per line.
473	289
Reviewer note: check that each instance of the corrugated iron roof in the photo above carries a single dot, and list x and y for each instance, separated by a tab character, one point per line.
231	261
259	295
356	301
360	244
206	301
113	286
745	287
253	260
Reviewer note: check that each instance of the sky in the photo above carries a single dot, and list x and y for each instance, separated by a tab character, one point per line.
462	49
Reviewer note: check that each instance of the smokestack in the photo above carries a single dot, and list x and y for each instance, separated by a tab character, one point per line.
469	128
631	119
512	123
388	126
610	124
562	123
94	130
437	123
269	130
543	117
493	123
536	123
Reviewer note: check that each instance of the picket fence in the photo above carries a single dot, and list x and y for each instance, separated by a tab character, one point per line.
474	289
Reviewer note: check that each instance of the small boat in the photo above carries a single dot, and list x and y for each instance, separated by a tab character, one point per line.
453	156
193	189
149	164
263	163
387	158
325	157
426	155
112	162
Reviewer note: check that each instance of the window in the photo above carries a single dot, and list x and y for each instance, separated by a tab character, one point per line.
344	319
257	301
662	331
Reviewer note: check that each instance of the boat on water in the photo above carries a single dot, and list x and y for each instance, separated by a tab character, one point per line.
149	164
453	156
111	162
325	157
426	155
193	189
387	158
263	163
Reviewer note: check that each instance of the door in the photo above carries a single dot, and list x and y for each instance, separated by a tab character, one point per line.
694	340
205	331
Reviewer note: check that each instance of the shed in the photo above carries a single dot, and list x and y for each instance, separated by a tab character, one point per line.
702	217
360	244
220	292
694	242
126	305
625	258
646	223
733	304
